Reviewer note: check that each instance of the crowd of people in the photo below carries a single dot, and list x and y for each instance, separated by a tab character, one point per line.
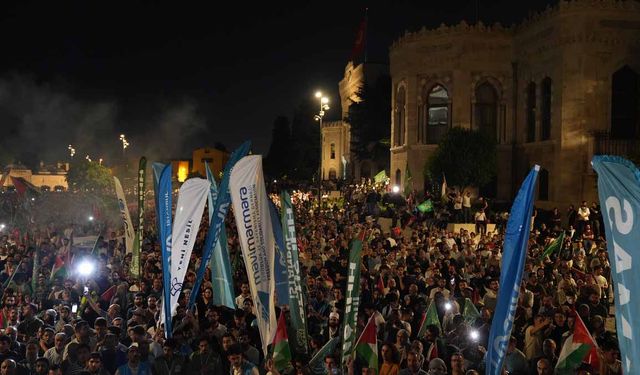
56	321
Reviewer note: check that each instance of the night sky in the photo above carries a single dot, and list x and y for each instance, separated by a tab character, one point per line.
174	76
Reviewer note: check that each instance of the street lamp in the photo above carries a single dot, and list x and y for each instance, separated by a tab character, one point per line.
324	106
125	144
72	151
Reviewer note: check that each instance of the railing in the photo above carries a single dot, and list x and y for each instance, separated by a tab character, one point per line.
605	145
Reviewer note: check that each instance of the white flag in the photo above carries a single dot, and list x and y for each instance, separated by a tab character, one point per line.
191	199
251	211
126	218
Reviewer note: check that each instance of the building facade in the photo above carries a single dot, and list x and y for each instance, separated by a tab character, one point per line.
554	90
46	178
338	162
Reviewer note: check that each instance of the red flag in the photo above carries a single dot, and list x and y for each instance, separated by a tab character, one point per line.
108	294
21	188
432	352
380	285
361	39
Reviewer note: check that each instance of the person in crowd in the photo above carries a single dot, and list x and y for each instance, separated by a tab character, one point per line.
116	328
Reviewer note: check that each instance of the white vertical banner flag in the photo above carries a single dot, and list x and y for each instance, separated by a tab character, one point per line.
126	217
251	211
191	201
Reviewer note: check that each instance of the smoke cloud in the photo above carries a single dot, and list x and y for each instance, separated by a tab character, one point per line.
39	120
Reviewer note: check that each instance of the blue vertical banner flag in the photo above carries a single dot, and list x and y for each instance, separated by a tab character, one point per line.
280	263
164	211
513	256
619	191
220	210
220	264
157	172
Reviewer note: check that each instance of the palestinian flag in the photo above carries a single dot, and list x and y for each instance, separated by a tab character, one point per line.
578	348
553	246
281	350
380	285
367	345
470	312
108	294
58	269
430	317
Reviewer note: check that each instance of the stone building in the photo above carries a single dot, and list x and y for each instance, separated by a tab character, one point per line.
338	162
46	178
554	90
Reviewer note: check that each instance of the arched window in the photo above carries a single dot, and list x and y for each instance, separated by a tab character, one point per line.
333	151
433	115
398	177
399	128
531	112
625	104
332	174
486	109
543	185
545	109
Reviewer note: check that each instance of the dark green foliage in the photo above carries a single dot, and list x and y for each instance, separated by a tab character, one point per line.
466	157
89	176
370	121
278	161
305	143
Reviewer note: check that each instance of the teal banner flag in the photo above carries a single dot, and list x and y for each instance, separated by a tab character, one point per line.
220	265
296	295
619	191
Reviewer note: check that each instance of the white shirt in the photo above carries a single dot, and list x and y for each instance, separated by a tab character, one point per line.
584	213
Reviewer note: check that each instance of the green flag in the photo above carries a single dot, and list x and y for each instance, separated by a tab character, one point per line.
296	296
137	242
352	300
553	246
316	364
430	317
381	177
426	206
469	312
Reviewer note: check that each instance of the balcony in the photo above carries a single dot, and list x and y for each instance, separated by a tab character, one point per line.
603	144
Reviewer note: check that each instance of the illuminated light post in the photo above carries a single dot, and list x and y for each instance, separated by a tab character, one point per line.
125	144
72	151
324	106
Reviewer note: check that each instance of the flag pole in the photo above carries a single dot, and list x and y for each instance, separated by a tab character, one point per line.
6	284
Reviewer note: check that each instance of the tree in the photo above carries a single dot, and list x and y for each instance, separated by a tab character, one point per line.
305	143
370	121
278	161
466	157
86	175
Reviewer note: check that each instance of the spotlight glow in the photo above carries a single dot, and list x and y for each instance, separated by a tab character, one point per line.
447	306
396	189
86	268
475	335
